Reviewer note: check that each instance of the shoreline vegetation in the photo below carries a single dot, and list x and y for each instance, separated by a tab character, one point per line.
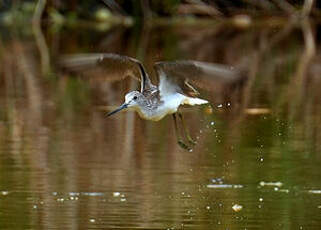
80	13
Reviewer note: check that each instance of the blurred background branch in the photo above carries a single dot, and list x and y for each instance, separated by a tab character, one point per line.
40	40
307	7
112	10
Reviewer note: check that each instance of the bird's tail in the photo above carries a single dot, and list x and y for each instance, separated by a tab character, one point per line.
194	101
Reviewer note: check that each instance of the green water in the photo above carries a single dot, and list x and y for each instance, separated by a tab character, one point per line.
65	165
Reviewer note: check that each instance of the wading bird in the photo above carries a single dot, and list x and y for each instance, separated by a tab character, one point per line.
175	85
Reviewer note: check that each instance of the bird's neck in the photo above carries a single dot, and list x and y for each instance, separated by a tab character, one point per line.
143	112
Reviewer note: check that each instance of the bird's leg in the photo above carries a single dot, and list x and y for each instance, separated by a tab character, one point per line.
179	139
186	132
195	92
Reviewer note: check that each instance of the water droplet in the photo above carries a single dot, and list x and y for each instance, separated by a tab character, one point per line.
208	207
237	207
60	199
92	220
74	194
35	207
212	123
116	194
315	191
220	106
4	193
261	199
278	184
92	193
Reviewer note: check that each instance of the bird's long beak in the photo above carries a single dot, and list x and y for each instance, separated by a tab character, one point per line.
123	106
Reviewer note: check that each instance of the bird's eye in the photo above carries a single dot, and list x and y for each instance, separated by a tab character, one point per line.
135	98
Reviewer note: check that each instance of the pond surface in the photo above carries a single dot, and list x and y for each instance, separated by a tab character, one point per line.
256	164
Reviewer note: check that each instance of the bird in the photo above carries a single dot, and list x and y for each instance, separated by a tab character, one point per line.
154	102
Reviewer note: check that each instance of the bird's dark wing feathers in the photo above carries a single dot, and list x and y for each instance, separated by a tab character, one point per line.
106	66
185	73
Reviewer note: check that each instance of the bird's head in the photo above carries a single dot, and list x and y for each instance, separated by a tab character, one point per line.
132	100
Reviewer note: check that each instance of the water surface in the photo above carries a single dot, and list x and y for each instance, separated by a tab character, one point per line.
64	164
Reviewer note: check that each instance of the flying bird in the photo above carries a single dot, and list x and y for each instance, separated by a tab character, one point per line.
154	102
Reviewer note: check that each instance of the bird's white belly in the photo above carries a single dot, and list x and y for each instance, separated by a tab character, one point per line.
170	106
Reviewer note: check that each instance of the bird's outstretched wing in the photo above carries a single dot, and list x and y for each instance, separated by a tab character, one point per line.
106	66
184	75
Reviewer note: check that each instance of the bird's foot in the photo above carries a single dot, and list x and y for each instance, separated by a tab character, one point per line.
183	145
191	141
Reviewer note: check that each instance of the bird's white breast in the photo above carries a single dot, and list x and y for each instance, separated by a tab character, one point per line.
170	105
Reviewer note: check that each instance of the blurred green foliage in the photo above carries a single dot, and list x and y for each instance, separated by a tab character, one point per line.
155	8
